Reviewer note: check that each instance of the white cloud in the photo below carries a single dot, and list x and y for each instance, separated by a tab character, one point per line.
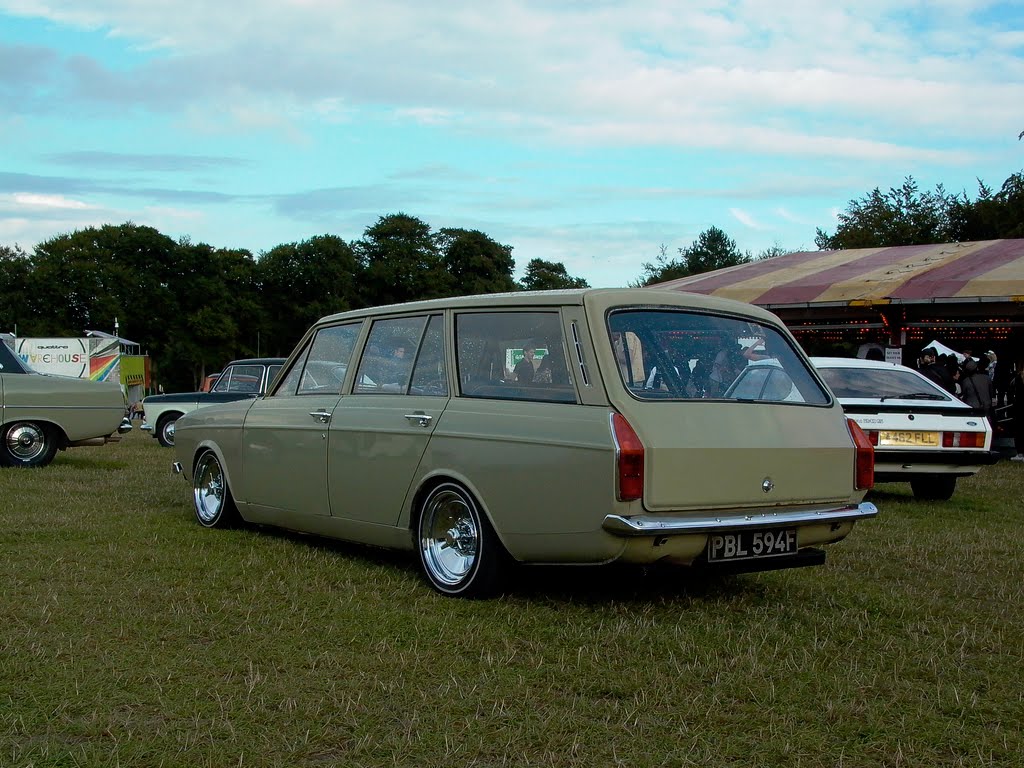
625	73
587	133
744	218
33	201
789	216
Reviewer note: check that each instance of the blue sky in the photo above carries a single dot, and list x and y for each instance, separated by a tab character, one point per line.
589	133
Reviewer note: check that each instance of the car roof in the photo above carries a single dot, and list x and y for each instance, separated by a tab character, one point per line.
601	297
258	361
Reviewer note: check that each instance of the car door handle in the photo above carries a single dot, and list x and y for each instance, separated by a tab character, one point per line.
322	416
421	419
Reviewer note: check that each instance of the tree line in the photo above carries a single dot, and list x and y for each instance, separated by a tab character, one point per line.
904	215
194	307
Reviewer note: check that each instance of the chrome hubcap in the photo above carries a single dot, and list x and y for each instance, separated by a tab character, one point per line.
169	432
449	537
208	489
26	441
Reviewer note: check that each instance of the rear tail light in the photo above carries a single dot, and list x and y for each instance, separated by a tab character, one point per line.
629	460
872	436
864	474
963	439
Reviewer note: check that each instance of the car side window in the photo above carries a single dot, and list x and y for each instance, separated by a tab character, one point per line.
321	367
513	356
240	378
430	375
222	381
272	372
290	383
387	362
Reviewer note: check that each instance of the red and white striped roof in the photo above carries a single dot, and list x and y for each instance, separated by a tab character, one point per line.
949	272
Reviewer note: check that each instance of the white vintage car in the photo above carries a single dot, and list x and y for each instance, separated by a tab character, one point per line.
240	380
921	433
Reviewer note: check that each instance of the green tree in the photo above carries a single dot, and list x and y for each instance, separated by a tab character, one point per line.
217	317
661	270
772	251
906	216
901	216
17	295
91	277
402	261
475	263
544	275
712	250
302	282
992	216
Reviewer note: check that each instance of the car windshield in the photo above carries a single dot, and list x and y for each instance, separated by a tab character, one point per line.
10	362
881	384
668	354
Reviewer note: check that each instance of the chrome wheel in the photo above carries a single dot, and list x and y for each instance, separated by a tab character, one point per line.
28	444
165	431
458	549
210	495
449	537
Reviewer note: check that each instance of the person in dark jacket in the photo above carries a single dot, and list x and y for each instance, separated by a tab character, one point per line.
975	386
1015	395
936	371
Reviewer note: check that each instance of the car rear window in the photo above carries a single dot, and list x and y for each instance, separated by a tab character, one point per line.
10	362
668	354
876	383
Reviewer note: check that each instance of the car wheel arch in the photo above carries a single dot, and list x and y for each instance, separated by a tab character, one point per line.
51	429
212	446
170	416
431	481
229	514
63	441
163	417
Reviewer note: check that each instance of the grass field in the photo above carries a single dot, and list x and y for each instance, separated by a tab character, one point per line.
131	636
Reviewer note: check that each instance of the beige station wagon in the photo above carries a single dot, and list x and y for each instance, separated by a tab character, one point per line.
589	427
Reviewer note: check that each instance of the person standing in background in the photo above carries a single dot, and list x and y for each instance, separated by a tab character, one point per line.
975	387
1015	394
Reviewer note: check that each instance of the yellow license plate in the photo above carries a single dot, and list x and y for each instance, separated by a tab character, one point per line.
887	437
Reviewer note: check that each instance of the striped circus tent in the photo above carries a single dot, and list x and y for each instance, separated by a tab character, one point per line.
968	292
990	269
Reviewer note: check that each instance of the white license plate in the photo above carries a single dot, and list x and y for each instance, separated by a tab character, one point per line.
746	545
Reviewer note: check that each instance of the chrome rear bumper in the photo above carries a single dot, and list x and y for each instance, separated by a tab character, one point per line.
663	525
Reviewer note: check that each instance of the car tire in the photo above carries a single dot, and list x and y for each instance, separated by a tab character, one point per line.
27	444
459	551
933	487
211	497
165	429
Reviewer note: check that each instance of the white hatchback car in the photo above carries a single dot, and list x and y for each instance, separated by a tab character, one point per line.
921	433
